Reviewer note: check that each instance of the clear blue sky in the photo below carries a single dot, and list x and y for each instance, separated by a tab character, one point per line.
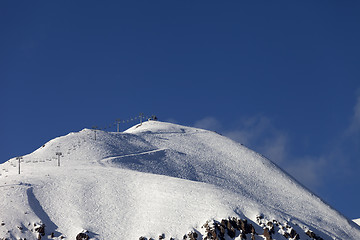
282	77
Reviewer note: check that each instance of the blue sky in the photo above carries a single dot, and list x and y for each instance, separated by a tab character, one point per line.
281	77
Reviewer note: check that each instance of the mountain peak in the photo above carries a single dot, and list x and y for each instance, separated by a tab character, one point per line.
160	127
157	178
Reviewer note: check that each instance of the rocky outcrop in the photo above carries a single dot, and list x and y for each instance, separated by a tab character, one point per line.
82	236
40	229
237	228
313	235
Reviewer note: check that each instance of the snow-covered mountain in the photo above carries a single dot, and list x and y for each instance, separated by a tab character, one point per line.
162	181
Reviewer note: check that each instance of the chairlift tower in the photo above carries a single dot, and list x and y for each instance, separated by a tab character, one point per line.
58	154
118	124
141	115
19	158
95	127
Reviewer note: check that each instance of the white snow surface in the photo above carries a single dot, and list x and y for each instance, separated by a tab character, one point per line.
154	178
357	221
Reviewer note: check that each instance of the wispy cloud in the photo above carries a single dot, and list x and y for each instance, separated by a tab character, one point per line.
256	132
209	123
275	147
309	171
252	130
260	134
354	126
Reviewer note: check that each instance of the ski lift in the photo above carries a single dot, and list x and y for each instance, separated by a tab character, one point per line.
153	117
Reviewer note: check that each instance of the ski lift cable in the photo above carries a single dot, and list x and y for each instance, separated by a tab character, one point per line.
118	121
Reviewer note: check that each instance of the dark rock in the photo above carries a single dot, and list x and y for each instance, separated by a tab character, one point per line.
231	232
162	236
222	231
210	232
292	233
142	238
311	234
243	224
193	236
271	227
267	234
259	217
233	223
41	229
82	236
223	223
230	229
252	229
242	236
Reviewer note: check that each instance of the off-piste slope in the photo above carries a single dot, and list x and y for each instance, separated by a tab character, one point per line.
156	178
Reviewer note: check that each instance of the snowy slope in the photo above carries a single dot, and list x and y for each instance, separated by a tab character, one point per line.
155	178
357	221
